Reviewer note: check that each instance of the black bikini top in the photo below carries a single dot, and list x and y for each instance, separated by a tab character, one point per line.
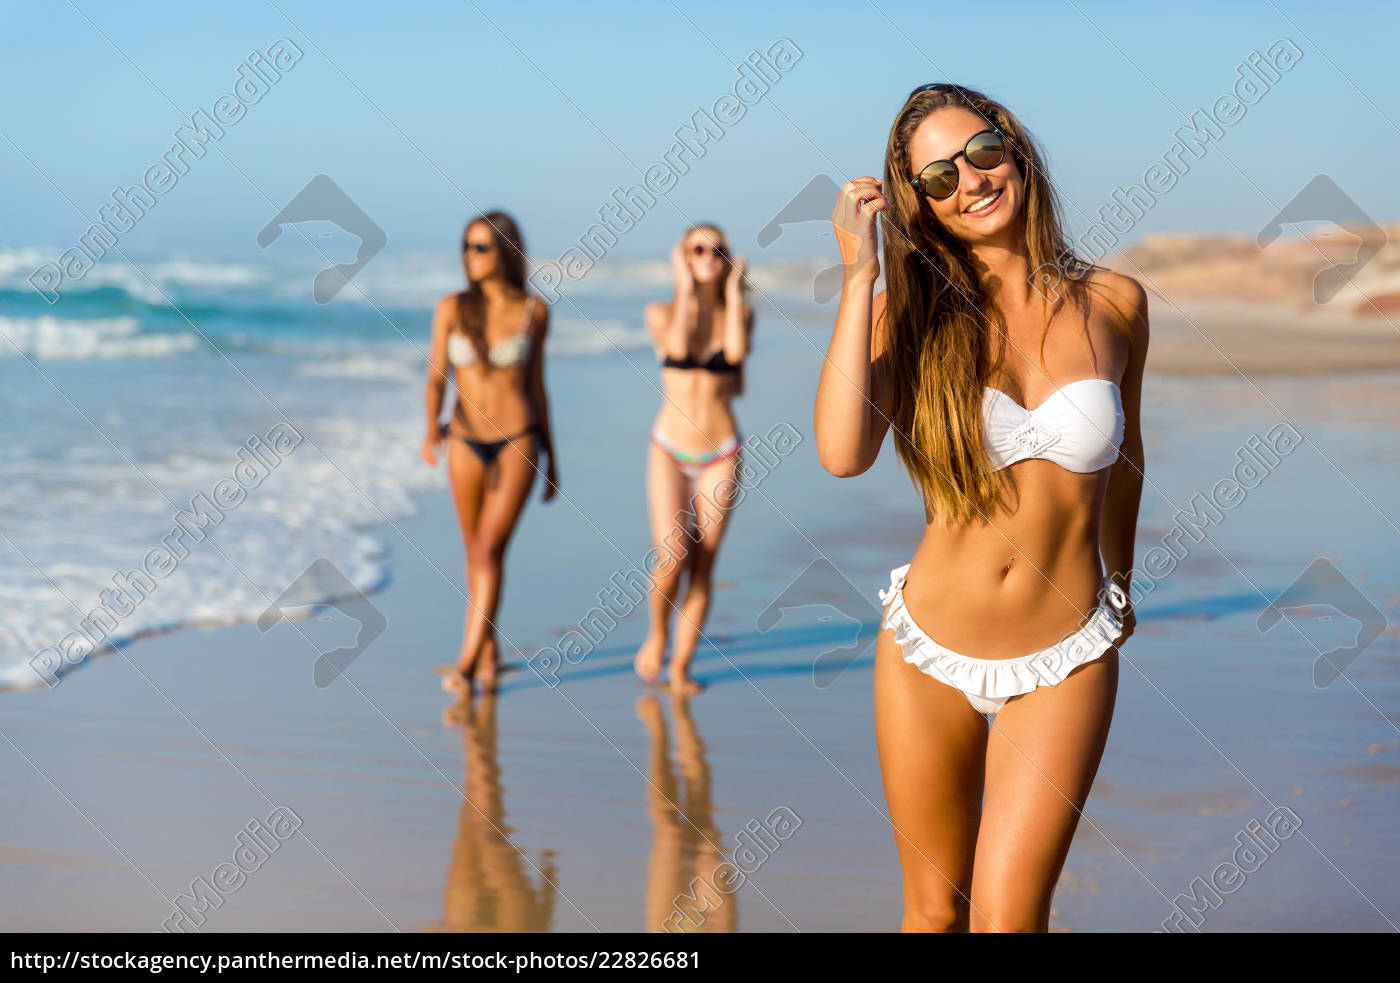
716	363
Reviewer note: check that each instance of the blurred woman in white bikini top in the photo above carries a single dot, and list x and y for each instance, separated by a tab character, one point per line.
1016	415
490	340
701	339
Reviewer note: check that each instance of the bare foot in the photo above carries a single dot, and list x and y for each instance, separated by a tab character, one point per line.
649	656
683	685
454	682
486	671
489	668
462	678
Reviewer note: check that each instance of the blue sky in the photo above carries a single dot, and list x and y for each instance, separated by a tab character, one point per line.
464	97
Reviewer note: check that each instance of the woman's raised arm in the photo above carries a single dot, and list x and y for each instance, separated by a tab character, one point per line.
853	401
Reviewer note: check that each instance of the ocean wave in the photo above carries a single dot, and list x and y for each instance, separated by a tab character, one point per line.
362	367
214	276
153	283
266	309
598	336
406	281
114	273
88	527
52	338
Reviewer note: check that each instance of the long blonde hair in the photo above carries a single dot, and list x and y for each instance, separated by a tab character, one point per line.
937	314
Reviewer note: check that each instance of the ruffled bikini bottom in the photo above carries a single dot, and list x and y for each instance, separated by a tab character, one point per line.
989	683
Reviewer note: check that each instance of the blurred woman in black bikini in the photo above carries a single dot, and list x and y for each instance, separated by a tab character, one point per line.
701	339
490	339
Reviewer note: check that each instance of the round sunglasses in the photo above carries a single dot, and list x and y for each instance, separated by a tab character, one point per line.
477	247
939	180
700	249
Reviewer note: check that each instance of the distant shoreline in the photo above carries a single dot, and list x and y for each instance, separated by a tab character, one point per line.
1219	337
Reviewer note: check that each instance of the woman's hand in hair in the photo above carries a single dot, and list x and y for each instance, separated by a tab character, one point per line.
734	284
680	271
853	220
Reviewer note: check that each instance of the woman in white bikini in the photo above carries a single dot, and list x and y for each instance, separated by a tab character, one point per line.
701	339
1016	415
490	339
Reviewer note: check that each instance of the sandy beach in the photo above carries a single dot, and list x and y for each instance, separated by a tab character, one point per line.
1204	337
594	804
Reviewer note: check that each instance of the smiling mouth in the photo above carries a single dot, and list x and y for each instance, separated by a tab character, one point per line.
984	204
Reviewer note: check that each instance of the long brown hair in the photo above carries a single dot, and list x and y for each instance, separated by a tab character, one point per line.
471	303
726	266
937	313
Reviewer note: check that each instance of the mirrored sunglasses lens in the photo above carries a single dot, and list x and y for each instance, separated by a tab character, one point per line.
985	150
939	179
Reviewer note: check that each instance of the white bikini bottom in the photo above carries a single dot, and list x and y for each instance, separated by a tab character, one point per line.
989	683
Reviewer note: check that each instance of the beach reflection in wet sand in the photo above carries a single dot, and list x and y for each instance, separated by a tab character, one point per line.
685	849
491	885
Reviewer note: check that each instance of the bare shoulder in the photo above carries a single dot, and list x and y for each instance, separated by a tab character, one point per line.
1124	300
539	311
658	315
1124	293
446	310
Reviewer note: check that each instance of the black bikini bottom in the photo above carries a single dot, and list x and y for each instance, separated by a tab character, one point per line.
487	451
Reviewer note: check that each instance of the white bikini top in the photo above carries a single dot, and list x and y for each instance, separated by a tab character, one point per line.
1079	427
508	353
